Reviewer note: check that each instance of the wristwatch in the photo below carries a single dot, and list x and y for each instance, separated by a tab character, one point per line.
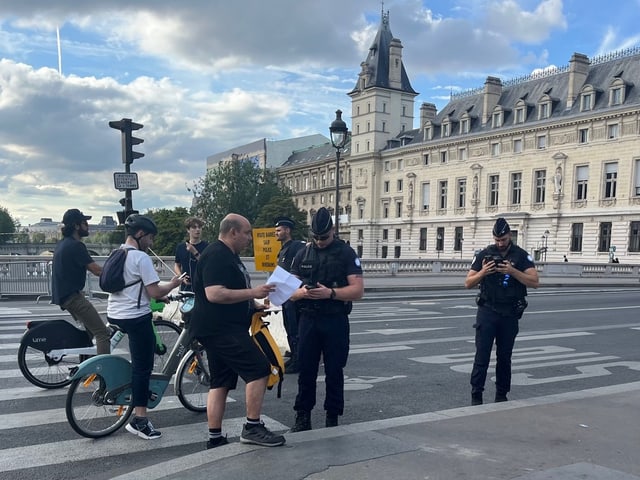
333	294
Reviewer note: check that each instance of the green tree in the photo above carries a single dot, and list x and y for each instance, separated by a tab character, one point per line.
282	205
8	226
171	229
239	186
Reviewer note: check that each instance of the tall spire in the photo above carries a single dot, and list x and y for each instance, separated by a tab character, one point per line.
383	66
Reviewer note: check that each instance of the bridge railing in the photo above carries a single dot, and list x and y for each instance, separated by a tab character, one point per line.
31	275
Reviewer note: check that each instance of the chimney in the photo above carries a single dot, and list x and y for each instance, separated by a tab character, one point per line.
578	70
492	92
395	64
428	112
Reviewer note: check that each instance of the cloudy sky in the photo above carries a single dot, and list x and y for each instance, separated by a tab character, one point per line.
204	76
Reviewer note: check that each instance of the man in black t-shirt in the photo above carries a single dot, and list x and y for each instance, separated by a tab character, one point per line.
188	253
71	260
221	316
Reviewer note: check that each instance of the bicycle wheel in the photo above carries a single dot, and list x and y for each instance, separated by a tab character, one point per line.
169	333
86	411
44	371
192	381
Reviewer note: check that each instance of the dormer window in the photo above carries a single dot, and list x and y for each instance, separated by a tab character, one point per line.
497	119
464	126
617	92
520	114
544	110
428	131
446	129
586	102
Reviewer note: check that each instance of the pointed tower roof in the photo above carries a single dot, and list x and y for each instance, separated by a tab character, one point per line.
375	69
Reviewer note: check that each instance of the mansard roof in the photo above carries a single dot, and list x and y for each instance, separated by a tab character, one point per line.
377	62
321	153
602	72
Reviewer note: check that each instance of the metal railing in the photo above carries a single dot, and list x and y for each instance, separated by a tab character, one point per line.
31	275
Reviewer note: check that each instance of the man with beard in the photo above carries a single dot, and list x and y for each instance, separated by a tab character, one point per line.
71	260
503	271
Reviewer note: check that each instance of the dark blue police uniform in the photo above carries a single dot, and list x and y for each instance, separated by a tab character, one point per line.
324	324
501	303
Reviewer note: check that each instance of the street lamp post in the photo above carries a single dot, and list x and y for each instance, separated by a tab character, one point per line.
339	135
545	237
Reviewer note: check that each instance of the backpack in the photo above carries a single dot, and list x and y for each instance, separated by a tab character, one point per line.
267	344
112	275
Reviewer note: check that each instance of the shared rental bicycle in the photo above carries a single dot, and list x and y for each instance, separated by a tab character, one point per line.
50	349
99	398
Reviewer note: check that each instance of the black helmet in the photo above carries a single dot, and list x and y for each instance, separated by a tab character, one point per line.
136	222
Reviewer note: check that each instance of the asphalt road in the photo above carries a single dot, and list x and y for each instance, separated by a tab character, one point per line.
407	357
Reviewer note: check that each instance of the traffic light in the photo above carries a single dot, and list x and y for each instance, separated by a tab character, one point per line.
127	127
128	210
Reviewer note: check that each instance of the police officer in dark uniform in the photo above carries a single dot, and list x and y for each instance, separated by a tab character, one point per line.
331	279
503	271
288	251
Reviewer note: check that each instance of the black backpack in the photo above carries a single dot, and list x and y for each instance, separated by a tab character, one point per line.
112	275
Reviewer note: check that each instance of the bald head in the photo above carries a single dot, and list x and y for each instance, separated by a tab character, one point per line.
235	232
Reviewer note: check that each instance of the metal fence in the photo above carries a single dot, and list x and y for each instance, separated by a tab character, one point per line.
32	277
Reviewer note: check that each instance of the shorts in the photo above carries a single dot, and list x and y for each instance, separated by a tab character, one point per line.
234	355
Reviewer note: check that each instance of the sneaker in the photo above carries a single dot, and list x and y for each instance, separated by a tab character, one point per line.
260	435
143	429
217	442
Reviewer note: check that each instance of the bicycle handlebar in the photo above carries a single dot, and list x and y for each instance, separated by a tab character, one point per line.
181	296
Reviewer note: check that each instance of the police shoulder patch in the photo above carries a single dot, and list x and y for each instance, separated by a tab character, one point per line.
529	258
357	262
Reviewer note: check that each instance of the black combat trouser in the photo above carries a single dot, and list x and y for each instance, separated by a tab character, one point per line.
325	335
502	328
290	320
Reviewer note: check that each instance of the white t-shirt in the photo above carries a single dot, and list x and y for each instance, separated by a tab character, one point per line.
124	304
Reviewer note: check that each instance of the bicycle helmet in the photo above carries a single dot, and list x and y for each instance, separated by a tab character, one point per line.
136	222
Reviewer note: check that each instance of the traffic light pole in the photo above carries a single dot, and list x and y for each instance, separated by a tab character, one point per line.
127	181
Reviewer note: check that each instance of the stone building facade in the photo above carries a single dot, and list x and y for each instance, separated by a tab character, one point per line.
557	154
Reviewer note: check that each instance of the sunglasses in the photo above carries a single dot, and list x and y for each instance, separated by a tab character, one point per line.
321	238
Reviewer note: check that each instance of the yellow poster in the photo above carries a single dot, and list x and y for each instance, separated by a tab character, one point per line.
265	249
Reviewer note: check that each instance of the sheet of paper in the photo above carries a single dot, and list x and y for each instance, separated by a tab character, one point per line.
285	284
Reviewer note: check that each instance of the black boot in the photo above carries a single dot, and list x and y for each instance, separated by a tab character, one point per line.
303	421
501	397
332	420
476	399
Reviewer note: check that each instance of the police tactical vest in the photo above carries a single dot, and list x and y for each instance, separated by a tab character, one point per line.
325	266
497	288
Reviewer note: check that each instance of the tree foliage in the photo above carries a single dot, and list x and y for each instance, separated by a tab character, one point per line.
239	186
171	229
8	225
282	205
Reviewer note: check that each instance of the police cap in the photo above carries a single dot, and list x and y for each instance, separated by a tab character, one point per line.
285	222
321	222
501	228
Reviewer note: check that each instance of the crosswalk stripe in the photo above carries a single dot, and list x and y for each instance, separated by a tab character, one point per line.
120	443
58	415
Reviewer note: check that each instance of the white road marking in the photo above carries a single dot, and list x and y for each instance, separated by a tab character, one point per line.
399	331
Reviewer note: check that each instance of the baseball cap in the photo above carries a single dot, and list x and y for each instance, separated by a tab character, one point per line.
321	222
74	216
501	228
